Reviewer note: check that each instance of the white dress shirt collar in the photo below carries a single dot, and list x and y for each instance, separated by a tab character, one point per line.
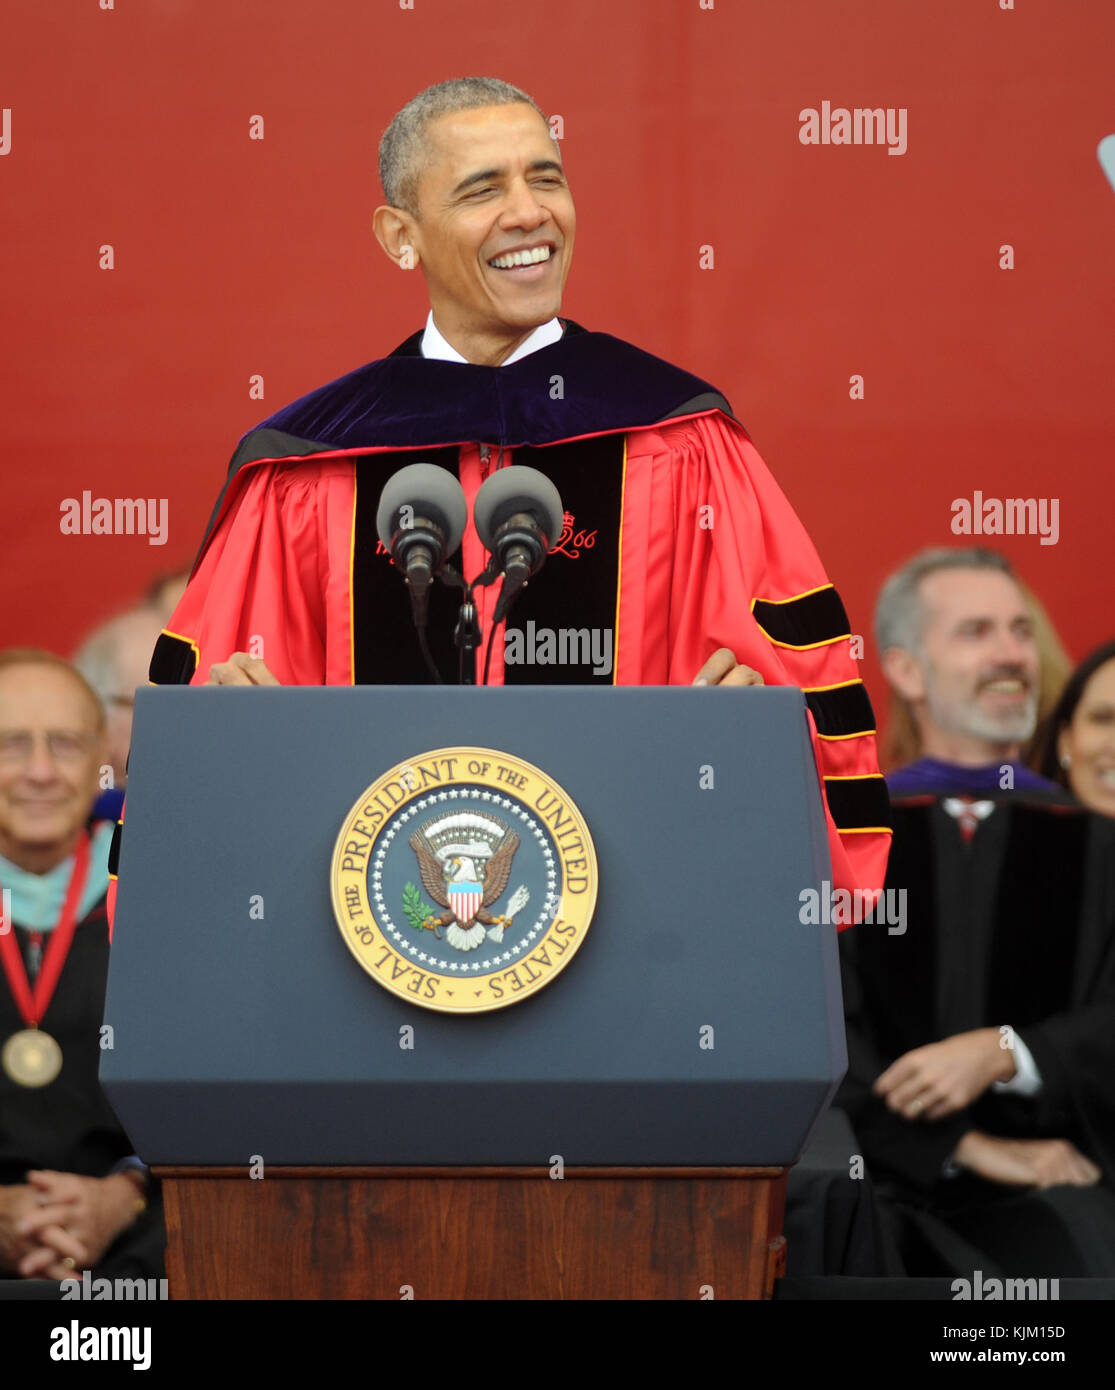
434	345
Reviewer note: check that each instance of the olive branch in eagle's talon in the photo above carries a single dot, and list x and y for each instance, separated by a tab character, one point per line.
421	915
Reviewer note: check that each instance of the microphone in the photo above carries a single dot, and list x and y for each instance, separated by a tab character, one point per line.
518	515
421	519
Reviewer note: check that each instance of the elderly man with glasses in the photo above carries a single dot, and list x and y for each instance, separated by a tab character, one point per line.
72	1196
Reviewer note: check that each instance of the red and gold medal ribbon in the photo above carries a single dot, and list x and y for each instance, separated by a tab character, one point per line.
33	1005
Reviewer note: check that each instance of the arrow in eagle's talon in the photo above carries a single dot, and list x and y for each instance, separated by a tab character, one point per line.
519	900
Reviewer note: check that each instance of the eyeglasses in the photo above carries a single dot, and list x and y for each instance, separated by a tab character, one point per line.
64	745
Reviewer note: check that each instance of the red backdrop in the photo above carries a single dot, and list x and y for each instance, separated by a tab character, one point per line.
129	127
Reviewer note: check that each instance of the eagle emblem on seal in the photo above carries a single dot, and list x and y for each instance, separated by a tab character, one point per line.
464	861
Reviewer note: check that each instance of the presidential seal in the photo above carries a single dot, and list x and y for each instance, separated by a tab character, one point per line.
464	880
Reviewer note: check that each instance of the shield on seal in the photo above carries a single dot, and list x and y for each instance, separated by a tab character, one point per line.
465	899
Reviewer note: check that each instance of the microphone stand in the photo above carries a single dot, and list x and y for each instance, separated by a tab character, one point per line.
519	547
467	635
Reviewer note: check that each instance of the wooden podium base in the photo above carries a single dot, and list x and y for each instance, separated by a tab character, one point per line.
474	1233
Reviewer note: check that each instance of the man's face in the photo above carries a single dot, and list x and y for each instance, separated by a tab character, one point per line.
50	752
493	185
979	663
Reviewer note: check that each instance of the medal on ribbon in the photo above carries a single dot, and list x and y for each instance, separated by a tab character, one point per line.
31	1057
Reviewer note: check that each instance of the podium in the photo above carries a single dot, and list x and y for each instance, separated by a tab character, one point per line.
623	1132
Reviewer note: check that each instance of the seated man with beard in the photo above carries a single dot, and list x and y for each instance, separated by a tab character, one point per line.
981	1037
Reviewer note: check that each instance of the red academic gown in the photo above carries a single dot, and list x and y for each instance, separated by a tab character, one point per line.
710	555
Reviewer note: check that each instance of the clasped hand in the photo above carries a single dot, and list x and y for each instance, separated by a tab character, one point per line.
58	1222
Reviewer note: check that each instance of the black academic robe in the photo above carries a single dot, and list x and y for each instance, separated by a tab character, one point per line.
1015	928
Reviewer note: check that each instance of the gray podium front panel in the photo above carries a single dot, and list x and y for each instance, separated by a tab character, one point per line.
236	1037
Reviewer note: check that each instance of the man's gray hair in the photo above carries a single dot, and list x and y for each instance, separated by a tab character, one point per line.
403	151
96	660
900	613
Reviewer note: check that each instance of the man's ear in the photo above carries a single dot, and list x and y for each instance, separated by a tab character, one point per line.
393	229
903	672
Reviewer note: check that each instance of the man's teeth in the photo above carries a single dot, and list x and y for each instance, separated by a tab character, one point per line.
540	253
1107	777
1006	687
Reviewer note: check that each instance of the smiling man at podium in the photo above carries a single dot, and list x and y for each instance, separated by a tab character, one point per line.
677	541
